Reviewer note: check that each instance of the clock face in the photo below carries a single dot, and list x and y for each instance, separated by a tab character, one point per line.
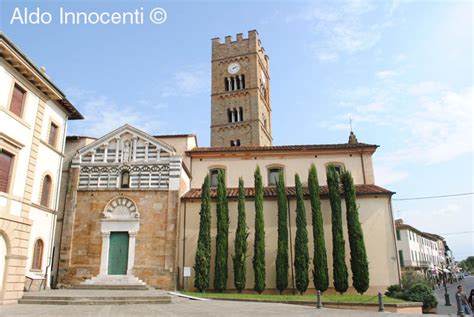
233	68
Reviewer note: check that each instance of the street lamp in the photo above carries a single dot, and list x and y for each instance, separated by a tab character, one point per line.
446	295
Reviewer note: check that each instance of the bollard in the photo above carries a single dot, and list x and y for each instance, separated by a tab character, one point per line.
318	303
381	308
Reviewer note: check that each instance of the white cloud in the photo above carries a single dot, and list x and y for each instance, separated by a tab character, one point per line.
371	107
386	74
387	173
426	87
400	57
344	27
441	127
433	123
326	56
187	82
102	114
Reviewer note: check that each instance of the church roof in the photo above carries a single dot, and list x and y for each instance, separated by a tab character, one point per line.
126	128
276	148
366	189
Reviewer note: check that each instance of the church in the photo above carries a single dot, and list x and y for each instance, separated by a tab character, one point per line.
131	199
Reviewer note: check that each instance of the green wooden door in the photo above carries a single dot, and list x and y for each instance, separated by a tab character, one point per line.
118	253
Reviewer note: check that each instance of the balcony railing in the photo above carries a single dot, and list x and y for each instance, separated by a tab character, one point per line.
420	264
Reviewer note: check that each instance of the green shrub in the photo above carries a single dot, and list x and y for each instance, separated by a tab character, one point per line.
395	291
419	292
411	278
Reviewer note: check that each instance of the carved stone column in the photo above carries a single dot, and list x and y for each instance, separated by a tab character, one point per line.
146	151
106	151
117	149
104	258
131	251
134	150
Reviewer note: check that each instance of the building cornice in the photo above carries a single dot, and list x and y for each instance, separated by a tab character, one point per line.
21	63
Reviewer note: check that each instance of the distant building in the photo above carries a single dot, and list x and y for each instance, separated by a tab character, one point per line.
33	120
418	250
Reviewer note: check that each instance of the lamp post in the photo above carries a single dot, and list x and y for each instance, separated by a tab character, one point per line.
446	295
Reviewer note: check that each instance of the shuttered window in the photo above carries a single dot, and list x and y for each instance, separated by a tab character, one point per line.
16	105
6	162
37	255
46	191
53	132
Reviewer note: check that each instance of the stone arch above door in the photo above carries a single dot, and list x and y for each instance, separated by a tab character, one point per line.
122	208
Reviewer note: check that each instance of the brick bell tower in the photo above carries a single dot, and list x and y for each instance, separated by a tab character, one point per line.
240	93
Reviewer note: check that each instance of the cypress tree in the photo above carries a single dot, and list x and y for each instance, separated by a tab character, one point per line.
202	261
240	241
222	237
359	263
301	241
282	250
338	247
320	271
259	242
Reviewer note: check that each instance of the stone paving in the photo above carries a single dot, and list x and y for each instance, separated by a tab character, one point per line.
183	307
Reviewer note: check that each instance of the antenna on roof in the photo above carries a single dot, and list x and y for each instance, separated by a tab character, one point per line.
352	136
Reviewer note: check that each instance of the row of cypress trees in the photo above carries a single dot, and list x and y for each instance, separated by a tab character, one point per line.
359	264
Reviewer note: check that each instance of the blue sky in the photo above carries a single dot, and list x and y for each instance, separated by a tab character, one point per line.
402	69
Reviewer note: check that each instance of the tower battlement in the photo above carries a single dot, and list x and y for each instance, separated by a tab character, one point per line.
231	47
252	36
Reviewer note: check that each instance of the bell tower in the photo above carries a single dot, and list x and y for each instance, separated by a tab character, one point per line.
240	93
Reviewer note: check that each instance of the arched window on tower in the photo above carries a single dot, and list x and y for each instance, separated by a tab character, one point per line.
229	115
243	81
241	113
125	179
226	84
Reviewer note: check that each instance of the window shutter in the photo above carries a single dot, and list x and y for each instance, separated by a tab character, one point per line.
53	131
16	105
6	160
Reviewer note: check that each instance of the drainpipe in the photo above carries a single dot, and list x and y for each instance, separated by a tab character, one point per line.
363	166
394	239
62	222
184	244
56	206
291	247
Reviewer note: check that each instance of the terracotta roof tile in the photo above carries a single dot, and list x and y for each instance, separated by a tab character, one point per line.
306	147
195	193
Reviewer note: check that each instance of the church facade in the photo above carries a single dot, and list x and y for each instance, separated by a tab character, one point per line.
132	200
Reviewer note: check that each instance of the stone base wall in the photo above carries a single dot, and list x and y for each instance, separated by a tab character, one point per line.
16	232
155	250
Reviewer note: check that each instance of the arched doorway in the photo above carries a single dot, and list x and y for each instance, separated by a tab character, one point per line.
3	263
119	227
